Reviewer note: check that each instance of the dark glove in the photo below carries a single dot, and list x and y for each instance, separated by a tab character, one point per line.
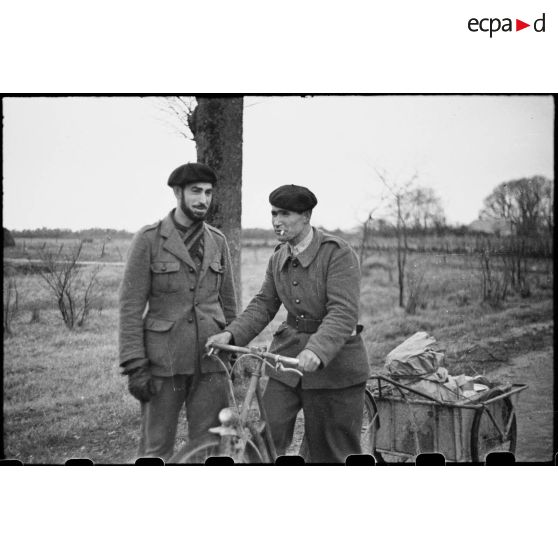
140	384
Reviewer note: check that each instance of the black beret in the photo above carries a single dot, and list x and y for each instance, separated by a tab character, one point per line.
293	198
191	172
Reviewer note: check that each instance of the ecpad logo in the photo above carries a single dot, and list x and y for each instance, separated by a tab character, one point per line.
493	25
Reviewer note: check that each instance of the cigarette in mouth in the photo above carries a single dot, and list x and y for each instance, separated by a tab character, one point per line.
281	233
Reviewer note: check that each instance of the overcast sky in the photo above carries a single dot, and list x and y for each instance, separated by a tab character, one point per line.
103	162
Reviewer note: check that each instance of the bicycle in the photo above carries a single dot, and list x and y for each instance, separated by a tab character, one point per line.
244	435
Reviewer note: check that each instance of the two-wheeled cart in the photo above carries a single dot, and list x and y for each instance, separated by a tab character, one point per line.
410	422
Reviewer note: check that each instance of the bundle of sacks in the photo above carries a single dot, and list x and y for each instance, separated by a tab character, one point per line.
417	364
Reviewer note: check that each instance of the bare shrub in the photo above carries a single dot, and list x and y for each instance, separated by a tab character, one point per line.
461	298
11	302
515	254
35	316
67	281
494	280
89	287
417	292
370	266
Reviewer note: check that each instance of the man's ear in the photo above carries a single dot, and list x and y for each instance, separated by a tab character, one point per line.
177	191
308	215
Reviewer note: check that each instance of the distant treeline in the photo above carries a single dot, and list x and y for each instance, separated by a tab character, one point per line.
447	239
253	234
384	231
45	232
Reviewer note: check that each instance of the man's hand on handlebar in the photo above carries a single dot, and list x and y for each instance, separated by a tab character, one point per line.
224	338
308	361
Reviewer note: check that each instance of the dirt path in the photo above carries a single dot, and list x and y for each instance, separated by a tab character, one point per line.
534	406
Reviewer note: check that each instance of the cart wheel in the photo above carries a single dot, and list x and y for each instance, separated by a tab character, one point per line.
494	428
370	426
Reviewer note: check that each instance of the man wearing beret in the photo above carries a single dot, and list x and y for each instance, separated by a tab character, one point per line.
316	277
177	290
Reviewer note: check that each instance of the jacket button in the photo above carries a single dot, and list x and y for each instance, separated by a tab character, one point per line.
163	268
295	264
192	288
190	320
192	270
297	300
295	283
301	316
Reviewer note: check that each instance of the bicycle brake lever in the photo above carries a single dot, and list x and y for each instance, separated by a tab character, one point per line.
282	368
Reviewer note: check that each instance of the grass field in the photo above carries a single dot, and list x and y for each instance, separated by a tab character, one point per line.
64	397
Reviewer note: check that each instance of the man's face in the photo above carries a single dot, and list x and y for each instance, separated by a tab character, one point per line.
288	225
194	200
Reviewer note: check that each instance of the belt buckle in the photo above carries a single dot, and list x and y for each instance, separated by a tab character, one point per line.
297	321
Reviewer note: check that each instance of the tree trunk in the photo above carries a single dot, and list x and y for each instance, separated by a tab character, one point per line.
216	125
401	253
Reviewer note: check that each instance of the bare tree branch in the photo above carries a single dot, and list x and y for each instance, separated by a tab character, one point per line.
179	113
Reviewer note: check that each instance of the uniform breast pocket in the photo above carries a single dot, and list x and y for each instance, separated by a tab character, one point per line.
165	276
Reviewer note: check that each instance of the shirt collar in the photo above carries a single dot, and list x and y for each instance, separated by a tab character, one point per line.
305	258
302	245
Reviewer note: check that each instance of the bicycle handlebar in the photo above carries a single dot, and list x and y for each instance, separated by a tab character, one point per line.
255	351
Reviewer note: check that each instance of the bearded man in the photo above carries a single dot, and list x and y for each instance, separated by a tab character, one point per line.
177	290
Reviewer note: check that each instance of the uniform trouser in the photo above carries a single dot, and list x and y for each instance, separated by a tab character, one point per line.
204	395
332	419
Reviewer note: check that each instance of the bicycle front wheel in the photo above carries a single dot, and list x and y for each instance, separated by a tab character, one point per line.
195	454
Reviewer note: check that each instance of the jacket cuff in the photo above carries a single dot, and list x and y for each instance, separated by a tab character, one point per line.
237	337
325	360
232	341
133	364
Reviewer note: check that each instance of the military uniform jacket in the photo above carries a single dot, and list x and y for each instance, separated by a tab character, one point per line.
169	307
322	287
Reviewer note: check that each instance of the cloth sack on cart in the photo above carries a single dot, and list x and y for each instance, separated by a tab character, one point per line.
416	363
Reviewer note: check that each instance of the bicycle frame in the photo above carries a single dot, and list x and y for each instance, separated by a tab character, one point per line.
235	430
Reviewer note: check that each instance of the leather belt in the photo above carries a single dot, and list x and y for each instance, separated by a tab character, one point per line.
304	325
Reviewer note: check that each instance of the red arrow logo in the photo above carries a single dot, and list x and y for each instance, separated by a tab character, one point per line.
519	25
